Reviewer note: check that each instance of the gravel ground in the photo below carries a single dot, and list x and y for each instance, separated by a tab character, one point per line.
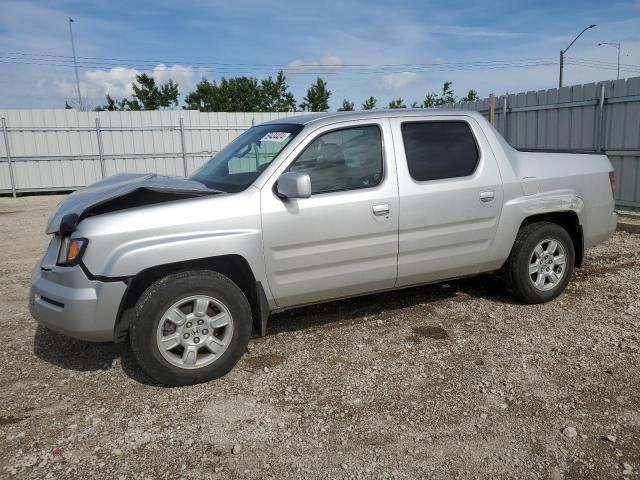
453	380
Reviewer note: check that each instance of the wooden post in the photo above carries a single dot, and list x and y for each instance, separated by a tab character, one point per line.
492	109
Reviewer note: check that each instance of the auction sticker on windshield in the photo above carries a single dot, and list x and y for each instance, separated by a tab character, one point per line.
276	137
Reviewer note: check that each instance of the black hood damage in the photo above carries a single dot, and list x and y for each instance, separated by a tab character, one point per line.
122	192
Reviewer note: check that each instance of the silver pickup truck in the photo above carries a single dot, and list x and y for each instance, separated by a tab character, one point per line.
308	209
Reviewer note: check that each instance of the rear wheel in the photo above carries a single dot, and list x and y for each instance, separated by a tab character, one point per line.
540	264
190	327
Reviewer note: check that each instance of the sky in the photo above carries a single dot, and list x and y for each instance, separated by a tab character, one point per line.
400	49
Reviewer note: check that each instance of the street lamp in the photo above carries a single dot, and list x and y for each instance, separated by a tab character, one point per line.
562	52
614	45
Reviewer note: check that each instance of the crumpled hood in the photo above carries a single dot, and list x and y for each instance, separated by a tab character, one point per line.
126	190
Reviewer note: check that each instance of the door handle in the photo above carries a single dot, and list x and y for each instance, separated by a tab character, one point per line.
381	209
487	196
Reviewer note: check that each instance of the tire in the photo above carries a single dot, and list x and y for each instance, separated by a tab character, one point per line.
519	272
189	309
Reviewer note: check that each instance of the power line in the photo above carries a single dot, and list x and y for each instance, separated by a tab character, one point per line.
109	60
316	70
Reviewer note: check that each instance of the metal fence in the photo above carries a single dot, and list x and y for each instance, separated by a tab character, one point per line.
49	150
602	117
56	150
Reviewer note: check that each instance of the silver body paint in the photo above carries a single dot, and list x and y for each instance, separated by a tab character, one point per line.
328	246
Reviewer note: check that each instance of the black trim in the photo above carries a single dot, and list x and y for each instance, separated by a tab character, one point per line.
52	302
78	258
559	150
100	278
260	323
68	223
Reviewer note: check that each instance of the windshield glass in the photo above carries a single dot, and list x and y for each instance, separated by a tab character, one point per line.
236	166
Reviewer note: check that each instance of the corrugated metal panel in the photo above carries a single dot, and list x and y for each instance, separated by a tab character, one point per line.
59	149
571	118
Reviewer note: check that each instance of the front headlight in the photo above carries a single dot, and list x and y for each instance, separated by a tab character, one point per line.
71	251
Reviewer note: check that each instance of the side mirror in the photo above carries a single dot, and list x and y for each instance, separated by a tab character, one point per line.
294	185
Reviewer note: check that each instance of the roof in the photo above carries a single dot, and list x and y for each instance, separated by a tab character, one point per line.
323	118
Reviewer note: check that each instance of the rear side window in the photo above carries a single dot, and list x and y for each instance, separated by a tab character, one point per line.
437	150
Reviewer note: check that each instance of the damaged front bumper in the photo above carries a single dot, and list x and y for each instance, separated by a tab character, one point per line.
65	300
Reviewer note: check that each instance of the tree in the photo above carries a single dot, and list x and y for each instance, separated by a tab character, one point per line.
347	106
430	100
434	100
113	105
317	99
369	103
447	96
472	96
74	104
238	94
148	96
397	103
276	95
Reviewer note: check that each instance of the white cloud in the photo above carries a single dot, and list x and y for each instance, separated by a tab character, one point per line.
395	81
327	62
95	84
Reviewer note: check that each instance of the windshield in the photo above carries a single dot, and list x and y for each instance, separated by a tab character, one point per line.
236	166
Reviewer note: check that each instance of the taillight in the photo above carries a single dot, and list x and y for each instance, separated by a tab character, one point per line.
612	181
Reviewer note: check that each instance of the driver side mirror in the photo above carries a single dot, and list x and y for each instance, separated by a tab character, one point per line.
294	185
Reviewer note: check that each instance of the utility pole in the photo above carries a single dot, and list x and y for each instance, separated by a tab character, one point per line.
562	52
561	68
617	45
75	64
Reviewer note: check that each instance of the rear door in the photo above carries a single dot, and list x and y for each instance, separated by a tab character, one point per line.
343	240
450	197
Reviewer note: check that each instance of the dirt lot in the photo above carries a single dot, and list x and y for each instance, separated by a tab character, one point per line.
447	381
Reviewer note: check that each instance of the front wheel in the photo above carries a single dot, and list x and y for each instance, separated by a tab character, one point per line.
540	264
190	327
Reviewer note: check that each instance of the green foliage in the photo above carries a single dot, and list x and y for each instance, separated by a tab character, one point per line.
113	105
276	96
397	103
446	98
242	94
369	103
430	100
146	96
317	98
472	96
347	106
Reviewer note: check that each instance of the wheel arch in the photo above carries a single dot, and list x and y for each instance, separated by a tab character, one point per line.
568	220
234	267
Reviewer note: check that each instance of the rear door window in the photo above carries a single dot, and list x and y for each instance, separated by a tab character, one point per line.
438	150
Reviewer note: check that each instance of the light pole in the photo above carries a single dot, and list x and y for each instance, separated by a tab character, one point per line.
562	52
75	64
615	45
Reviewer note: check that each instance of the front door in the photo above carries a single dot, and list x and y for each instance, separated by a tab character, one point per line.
343	240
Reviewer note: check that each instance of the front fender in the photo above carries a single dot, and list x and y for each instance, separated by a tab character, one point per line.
134	256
